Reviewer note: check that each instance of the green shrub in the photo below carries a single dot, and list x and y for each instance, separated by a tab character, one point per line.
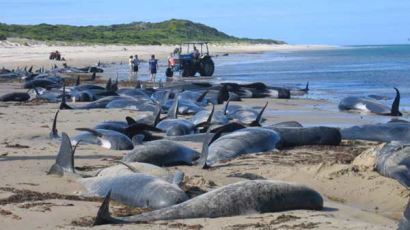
167	32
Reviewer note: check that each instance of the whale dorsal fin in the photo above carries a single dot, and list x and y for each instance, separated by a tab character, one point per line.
93	77
257	121
108	86
207	124
396	104
205	148
130	120
307	87
65	158
223	94
63	104
103	215
173	111
54	131
226	106
77	83
157	115
202	96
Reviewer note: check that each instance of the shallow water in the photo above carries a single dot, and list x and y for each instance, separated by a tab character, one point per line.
332	73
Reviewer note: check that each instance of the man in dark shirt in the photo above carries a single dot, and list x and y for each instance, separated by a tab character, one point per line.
153	66
196	53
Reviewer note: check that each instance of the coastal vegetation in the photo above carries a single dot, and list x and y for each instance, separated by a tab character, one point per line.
172	31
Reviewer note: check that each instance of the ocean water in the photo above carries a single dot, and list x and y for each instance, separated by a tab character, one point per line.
332	73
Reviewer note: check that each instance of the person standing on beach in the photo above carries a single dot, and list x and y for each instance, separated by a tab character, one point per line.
135	63
153	66
131	64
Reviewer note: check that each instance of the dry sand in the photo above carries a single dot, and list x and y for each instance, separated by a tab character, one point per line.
356	197
16	54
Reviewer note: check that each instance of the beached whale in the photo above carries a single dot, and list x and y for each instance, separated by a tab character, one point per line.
65	165
136	190
134	184
291	137
218	117
41	83
392	131
246	116
17	96
162	153
257	90
173	126
126	168
253	196
393	161
108	139
242	141
367	104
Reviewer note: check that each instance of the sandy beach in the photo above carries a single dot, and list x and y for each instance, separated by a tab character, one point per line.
356	197
22	53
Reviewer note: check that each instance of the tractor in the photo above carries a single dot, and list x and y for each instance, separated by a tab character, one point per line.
195	60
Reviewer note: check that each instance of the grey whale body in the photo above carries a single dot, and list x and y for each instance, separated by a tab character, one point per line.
260	196
393	161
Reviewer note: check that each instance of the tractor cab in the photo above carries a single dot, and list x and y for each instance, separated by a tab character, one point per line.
189	59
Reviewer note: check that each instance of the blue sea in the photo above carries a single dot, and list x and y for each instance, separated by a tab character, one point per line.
332	73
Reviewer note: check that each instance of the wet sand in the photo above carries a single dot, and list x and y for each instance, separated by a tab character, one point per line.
356	197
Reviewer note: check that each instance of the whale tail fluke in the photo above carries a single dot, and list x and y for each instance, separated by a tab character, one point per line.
396	104
54	131
65	158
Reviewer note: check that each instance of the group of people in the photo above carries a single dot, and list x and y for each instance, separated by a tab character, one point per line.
134	63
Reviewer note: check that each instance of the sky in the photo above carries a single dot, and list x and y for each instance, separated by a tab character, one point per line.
347	22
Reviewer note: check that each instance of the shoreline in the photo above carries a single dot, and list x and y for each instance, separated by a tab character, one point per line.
15	54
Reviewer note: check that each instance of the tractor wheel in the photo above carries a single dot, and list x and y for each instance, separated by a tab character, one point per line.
188	70
206	67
